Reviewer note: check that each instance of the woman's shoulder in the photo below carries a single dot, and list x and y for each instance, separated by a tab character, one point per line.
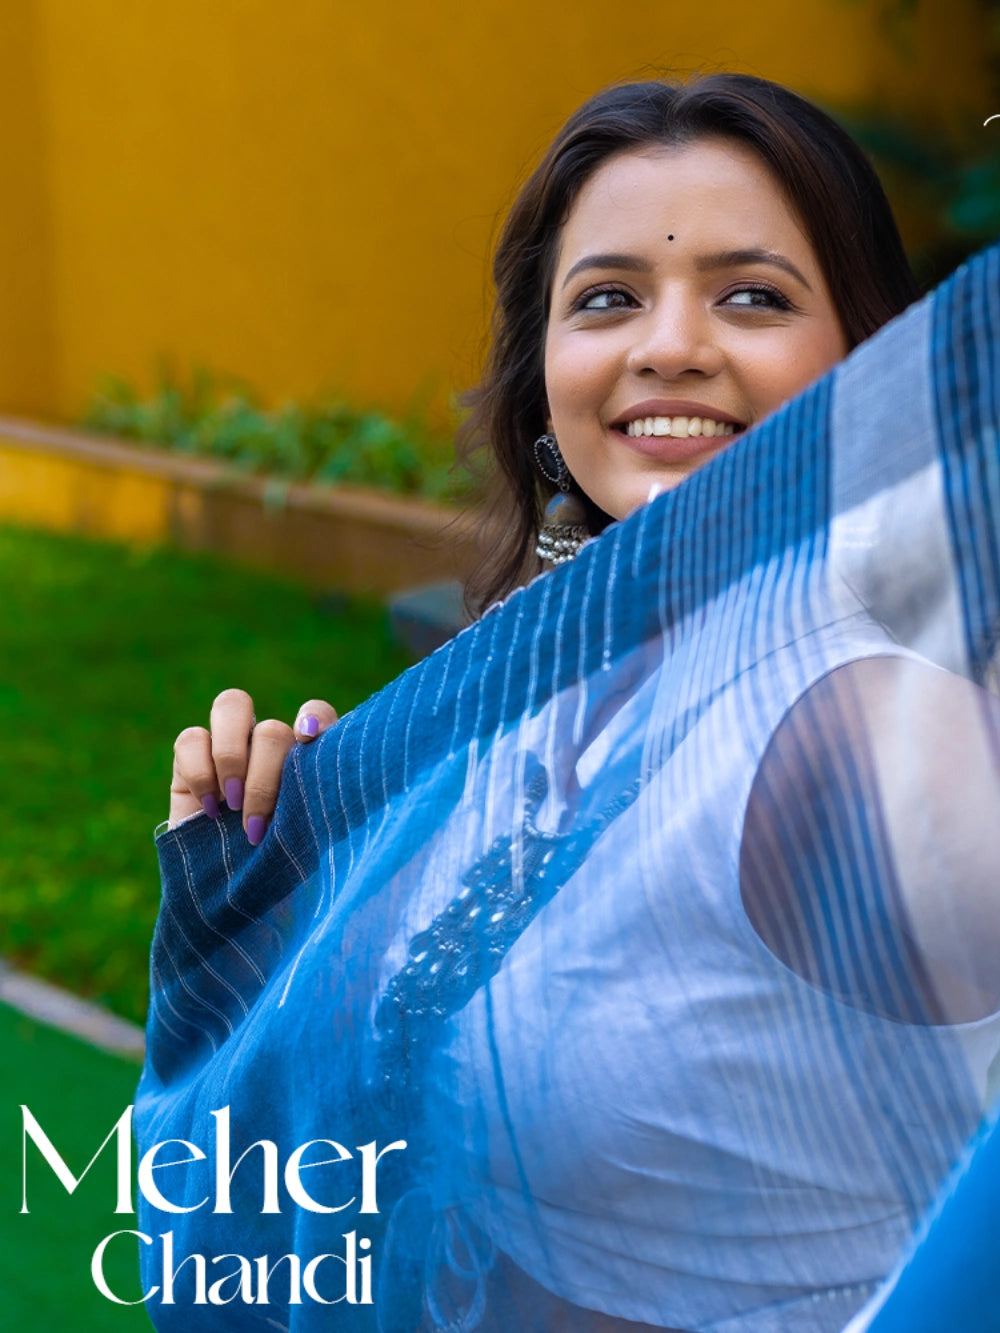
871	825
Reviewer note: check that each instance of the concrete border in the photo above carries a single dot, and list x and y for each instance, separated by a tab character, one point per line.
329	537
57	1008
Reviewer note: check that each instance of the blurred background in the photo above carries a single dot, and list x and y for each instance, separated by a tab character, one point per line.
304	195
261	233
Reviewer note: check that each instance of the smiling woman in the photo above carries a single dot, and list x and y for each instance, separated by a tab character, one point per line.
652	919
682	251
687	306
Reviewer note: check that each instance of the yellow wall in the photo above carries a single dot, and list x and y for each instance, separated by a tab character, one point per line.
26	370
304	193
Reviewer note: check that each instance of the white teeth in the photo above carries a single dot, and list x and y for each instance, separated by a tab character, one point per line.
680	428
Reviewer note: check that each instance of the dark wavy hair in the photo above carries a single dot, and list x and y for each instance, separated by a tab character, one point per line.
825	176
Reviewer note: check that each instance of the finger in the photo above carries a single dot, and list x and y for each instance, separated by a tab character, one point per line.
313	718
193	785
271	742
231	723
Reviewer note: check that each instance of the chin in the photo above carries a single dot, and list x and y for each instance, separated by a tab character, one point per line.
648	489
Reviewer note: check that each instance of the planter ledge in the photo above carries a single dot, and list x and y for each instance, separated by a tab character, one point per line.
330	537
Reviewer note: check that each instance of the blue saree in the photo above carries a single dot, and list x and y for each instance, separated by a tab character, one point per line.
584	977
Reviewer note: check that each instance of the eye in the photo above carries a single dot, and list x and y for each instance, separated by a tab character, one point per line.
757	296
604	298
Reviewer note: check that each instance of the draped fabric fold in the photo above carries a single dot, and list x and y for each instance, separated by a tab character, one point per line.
630	958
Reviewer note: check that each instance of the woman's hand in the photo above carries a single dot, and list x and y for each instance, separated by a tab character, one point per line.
238	761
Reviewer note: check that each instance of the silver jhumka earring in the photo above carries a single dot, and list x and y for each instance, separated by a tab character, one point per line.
564	524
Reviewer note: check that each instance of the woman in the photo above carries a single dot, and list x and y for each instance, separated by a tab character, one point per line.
819	184
634	939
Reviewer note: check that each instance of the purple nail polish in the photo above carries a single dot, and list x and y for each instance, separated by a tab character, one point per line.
255	830
210	805
234	793
309	725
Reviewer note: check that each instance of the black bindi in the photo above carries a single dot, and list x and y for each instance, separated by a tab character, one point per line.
670	238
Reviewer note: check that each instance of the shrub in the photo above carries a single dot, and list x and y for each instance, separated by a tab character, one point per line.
326	442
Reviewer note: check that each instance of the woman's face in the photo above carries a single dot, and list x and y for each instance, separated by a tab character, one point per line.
687	306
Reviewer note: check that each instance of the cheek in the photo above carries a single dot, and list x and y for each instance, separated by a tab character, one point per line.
795	366
561	378
574	381
826	348
570	393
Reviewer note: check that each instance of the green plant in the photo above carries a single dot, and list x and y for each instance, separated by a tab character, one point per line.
949	181
951	187
327	442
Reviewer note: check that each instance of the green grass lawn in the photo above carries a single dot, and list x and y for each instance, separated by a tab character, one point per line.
76	1094
105	654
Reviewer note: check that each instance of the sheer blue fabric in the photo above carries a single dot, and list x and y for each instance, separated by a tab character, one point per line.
948	1279
652	915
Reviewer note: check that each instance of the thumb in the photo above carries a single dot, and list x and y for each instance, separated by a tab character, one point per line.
313	718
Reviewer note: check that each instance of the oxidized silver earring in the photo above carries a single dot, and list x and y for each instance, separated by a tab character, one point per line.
564	525
551	463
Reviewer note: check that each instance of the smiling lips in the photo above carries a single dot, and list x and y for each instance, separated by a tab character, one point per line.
677	438
678	428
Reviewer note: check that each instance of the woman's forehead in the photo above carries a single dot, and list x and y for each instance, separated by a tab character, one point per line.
706	192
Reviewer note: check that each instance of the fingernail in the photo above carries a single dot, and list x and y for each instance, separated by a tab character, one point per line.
210	805
255	830
309	725
234	793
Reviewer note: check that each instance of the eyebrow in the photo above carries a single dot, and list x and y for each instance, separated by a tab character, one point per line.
705	263
751	255
631	263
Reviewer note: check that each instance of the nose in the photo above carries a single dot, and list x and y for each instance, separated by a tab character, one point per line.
675	337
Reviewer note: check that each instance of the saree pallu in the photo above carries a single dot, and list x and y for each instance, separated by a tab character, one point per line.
583	979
